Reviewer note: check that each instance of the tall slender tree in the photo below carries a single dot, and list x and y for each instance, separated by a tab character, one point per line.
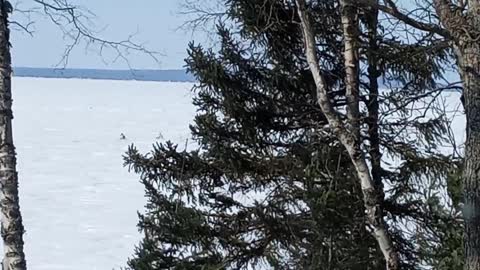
11	218
349	135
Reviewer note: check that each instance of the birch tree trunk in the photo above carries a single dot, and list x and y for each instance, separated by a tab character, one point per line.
10	219
349	135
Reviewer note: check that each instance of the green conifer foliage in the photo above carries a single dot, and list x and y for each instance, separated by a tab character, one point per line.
268	186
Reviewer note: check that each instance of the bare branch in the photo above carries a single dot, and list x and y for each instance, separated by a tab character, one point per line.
77	25
25	22
23	27
391	9
204	15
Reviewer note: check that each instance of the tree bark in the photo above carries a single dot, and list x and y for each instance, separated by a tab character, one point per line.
350	52
464	29
371	17
10	219
372	103
470	73
349	138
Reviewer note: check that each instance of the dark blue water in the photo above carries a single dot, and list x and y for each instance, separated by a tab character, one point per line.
174	75
105	74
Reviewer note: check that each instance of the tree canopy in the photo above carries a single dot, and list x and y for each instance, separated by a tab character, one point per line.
269	185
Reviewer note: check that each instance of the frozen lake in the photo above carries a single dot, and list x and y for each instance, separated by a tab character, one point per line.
78	202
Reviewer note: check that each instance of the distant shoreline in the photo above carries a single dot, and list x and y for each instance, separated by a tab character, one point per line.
174	75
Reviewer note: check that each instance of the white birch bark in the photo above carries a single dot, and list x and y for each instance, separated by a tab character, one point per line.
349	136
10	217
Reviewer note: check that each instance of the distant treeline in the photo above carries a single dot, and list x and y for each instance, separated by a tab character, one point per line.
105	74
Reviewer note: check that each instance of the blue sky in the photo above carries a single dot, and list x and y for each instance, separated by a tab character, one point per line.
156	20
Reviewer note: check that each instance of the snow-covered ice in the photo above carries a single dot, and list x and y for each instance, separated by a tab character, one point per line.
78	202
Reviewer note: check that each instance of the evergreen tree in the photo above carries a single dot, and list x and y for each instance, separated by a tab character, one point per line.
455	23
269	184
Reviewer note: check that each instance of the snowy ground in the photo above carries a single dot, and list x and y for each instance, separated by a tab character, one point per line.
78	202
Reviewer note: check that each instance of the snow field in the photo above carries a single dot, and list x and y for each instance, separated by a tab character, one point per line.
79	203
